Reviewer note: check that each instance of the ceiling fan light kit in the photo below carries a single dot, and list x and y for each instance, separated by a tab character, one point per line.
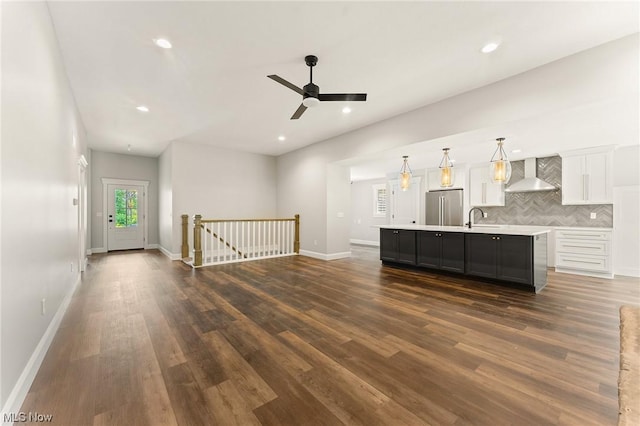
311	95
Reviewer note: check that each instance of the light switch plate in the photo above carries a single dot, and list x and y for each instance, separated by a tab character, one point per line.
593	215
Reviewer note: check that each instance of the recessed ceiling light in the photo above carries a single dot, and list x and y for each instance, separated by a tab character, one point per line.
489	47
162	42
281	138
142	108
515	151
346	110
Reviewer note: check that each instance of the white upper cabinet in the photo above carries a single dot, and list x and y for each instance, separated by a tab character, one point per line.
483	192
433	179
587	176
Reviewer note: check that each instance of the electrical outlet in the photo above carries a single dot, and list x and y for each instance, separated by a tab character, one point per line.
485	214
43	306
593	215
71	266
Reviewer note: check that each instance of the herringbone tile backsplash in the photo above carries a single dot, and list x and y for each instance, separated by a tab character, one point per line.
544	208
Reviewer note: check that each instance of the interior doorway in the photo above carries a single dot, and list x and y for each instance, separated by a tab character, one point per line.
404	206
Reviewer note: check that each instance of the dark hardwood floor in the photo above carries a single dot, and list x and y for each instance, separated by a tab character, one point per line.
295	340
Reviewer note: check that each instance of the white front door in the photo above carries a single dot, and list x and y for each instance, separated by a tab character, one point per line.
405	205
125	217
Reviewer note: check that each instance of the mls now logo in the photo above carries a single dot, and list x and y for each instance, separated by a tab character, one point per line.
23	417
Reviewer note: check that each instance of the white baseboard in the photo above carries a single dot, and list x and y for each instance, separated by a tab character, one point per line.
172	256
19	392
323	256
365	242
151	246
98	250
607	275
627	272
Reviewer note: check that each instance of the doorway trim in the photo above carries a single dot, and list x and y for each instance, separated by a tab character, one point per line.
105	206
81	201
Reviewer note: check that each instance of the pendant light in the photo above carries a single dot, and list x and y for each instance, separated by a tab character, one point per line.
446	170
500	167
405	174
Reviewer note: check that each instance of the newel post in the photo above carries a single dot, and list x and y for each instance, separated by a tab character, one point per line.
185	236
197	240
296	238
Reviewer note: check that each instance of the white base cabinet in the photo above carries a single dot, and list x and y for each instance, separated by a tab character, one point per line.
584	251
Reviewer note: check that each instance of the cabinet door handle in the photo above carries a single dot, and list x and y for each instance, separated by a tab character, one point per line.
580	261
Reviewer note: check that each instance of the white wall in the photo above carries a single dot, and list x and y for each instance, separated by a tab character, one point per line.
165	200
120	166
39	182
591	77
338	211
362	219
626	211
218	184
626	165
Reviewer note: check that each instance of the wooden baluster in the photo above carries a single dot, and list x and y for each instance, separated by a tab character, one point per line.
185	236
296	238
197	240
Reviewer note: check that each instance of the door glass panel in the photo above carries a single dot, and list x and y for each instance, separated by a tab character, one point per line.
126	208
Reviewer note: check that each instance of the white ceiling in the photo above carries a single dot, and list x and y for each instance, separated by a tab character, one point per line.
211	88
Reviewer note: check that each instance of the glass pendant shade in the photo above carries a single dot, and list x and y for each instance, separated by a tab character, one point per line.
405	174
500	166
446	170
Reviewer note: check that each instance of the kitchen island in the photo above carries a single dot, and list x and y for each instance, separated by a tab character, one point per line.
508	255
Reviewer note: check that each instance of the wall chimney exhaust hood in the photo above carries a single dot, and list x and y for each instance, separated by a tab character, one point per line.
530	183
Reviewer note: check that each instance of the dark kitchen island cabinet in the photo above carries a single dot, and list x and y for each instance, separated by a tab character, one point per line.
398	245
440	250
508	256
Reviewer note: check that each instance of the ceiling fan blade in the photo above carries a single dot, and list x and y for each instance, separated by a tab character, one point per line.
342	96
286	83
298	112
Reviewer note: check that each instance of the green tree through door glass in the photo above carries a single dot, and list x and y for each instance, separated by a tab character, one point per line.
126	208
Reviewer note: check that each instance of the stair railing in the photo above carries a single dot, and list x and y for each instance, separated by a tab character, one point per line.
218	241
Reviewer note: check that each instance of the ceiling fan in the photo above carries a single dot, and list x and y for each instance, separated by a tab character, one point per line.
311	95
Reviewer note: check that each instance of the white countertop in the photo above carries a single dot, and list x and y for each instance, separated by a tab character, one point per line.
477	229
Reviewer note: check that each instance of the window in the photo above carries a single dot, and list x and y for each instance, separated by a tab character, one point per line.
380	200
126	208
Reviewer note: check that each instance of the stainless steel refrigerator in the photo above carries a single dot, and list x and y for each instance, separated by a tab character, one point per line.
444	208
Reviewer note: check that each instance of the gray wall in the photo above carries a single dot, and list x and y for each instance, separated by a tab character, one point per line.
39	177
119	166
544	208
216	183
362	219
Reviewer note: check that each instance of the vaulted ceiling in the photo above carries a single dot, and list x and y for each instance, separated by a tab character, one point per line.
211	87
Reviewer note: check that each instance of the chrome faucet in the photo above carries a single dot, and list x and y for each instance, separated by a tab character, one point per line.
470	211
